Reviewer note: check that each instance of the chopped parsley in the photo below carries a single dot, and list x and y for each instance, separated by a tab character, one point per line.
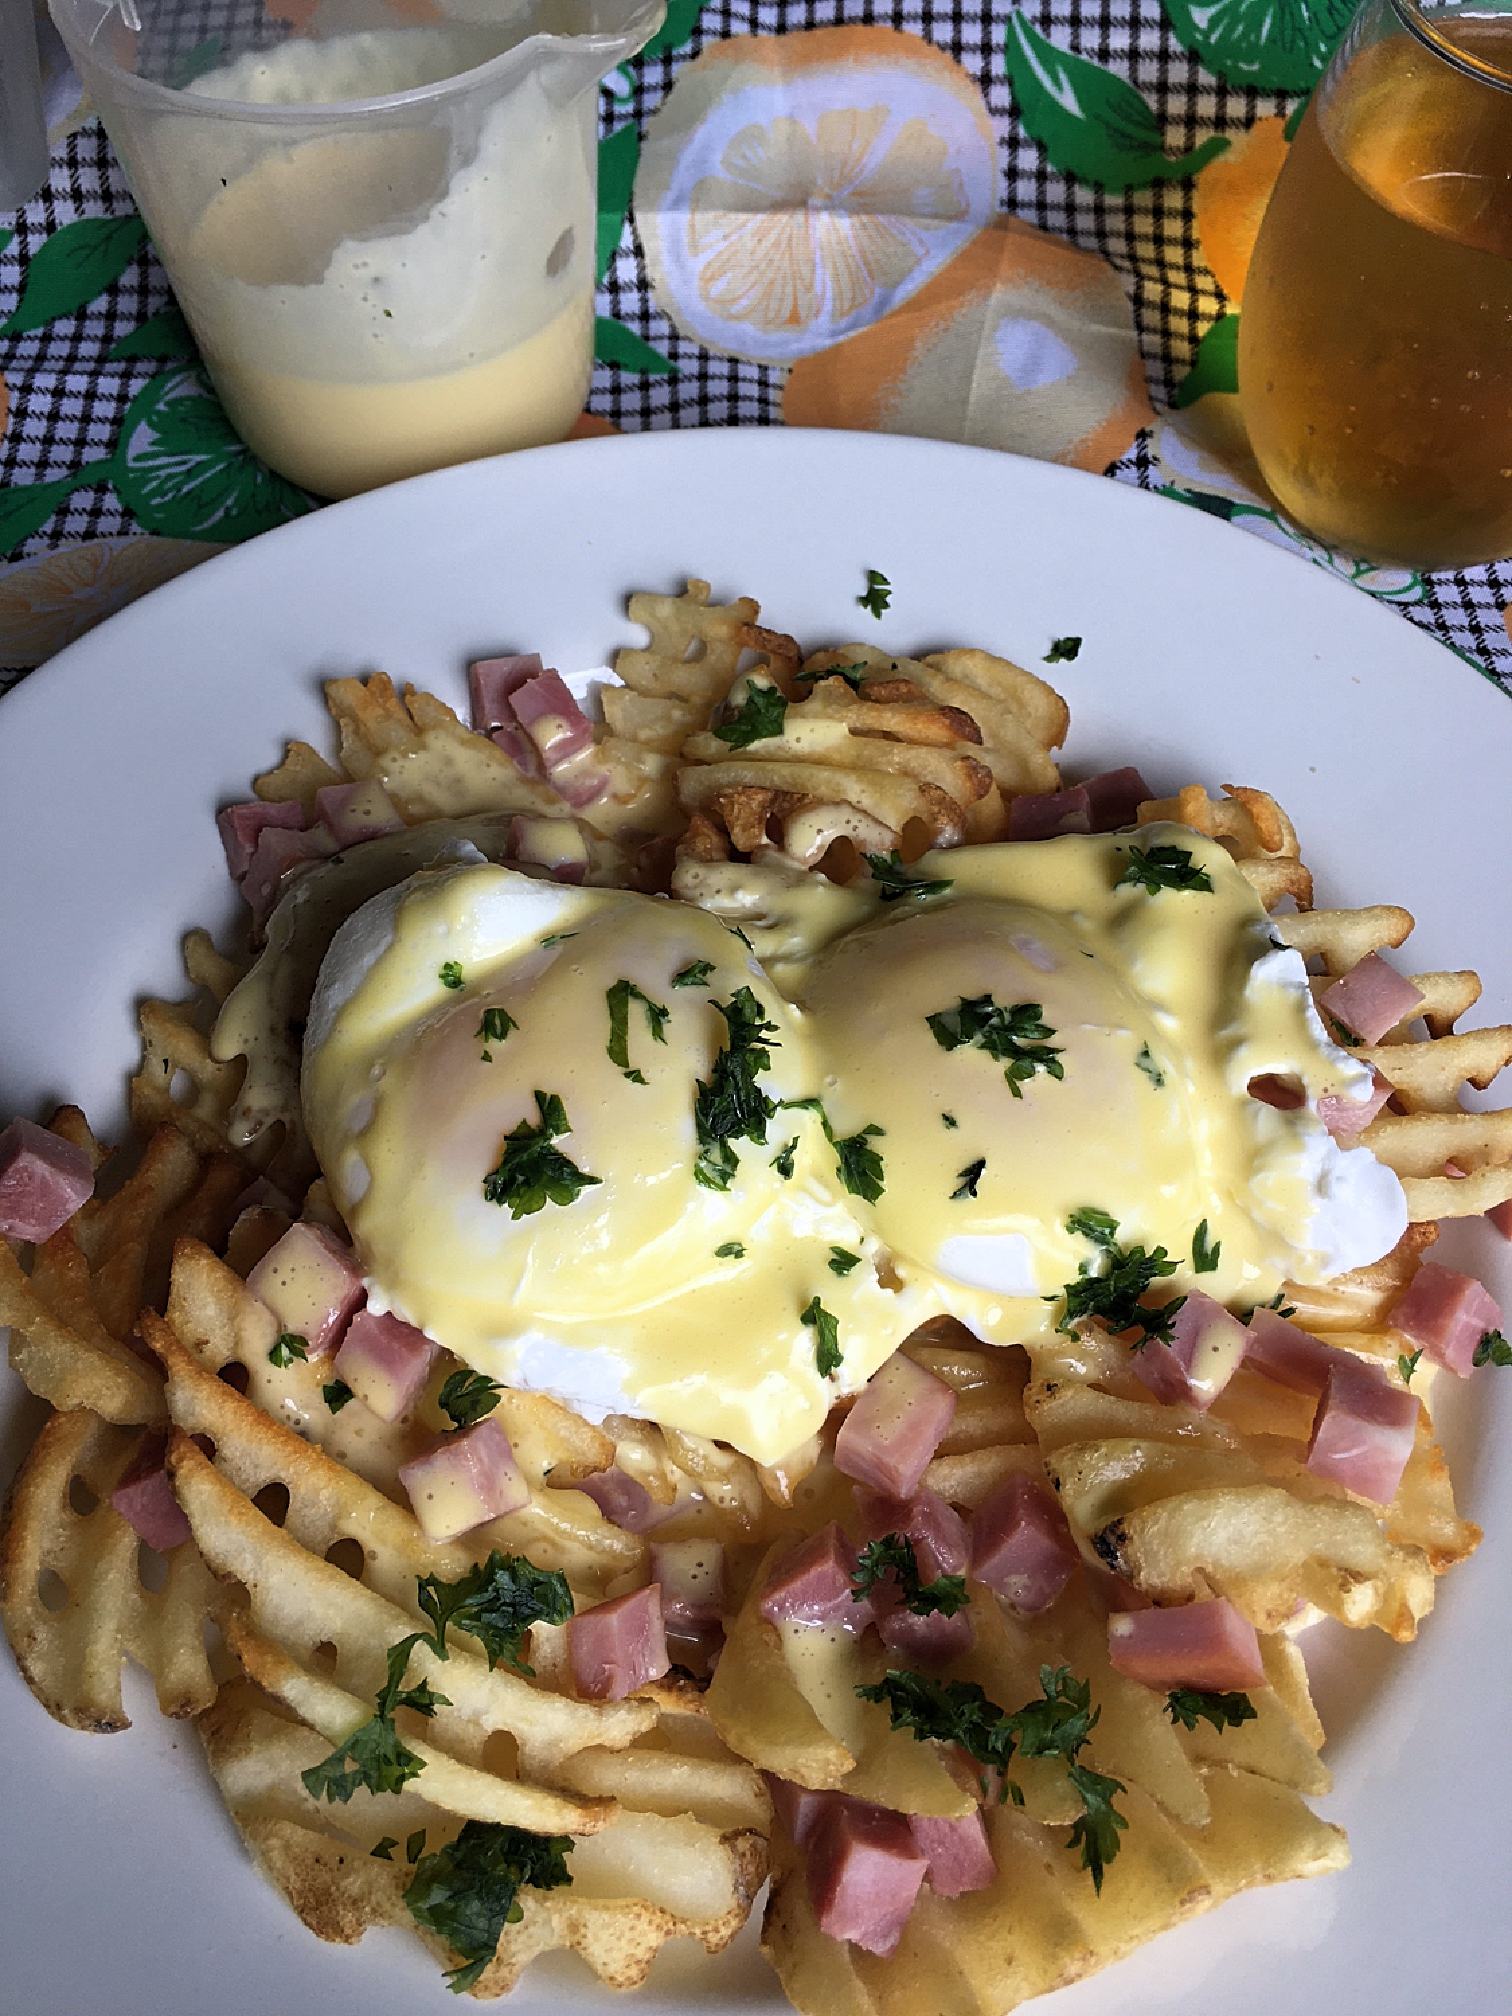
851	674
1062	651
468	1891
759	719
336	1395
695	974
1407	1364
374	1758
468	1396
731	1106
1225	1711
451	975
950	1120
496	1025
1057	1725
858	1164
1113	1296
287	1348
556	938
968	1179
496	1602
827	1354
878	593
731	1250
892	882
414	1846
894	1555
842	1260
1015	1037
619	997
1345	1036
782	1161
1146	1063
1163	868
531	1174
1205	1253
383	1851
1493	1349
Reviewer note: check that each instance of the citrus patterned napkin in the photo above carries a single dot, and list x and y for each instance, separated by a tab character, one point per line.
1025	228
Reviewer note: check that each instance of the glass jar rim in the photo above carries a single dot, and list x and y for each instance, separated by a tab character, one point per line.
1424	24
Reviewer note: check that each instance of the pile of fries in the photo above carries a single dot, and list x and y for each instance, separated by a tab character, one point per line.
273	1627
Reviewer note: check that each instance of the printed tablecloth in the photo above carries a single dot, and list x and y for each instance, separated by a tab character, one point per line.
1025	227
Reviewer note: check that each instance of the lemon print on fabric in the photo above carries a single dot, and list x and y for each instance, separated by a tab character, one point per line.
1021	343
1273	45
793	189
1231	195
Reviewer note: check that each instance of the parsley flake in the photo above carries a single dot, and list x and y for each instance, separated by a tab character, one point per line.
469	1890
851	674
893	882
968	1179
860	1166
878	593
842	1260
1163	868
894	1555
383	1851
1146	1063
1015	1037
414	1846
1113	1296
450	975
336	1395
1204	1252
1407	1364
950	1120
782	1161
1225	1711
827	1353
619	997
496	1603
374	1758
759	719
531	1174
731	1250
468	1396
1062	651
730	1106
556	938
496	1025
287	1348
695	974
1493	1349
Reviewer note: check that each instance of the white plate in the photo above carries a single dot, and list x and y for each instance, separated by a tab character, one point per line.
1205	655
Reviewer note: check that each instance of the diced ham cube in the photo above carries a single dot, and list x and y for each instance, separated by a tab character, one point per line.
691	1576
1364	1432
313	1285
958	1853
1446	1314
813	1584
553	720
618	1646
554	844
357	812
624	1500
1287	1095
144	1497
1501	1218
1205	1645
241	826
385	1361
1021	1546
464	1480
890	1435
1044	815
278	855
1371	998
1291	1356
581	780
43	1181
1116	797
796	1807
864	1873
490	681
1345	1117
937	1530
1204	1352
928	1640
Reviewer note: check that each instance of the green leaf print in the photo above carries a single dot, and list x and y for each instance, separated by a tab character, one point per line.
1216	365
1089	122
6	235
1271	45
614	344
617	160
162	335
182	470
72	267
682	19
26	507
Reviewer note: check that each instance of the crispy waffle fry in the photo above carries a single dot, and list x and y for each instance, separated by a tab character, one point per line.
1253	828
76	1593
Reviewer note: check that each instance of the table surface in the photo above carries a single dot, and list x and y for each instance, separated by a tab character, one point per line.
955	310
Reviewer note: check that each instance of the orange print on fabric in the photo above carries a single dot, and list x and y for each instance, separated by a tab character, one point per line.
1021	343
1231	195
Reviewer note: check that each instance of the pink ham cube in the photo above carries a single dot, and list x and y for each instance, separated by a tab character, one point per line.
1205	1645
277	857
313	1285
796	1807
1021	1546
618	1646
814	1584
553	720
1204	1352
464	1480
864	1873
691	1577
958	1853
1345	1118
1045	815
935	1528
1364	1432
624	1500
43	1181
357	812
241	826
892	1432
144	1497
385	1361
1291	1356
1116	797
1446	1314
1371	999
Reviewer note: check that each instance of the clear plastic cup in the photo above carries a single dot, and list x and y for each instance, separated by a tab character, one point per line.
379	219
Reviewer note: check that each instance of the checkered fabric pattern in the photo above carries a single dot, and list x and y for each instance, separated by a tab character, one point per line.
68	398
